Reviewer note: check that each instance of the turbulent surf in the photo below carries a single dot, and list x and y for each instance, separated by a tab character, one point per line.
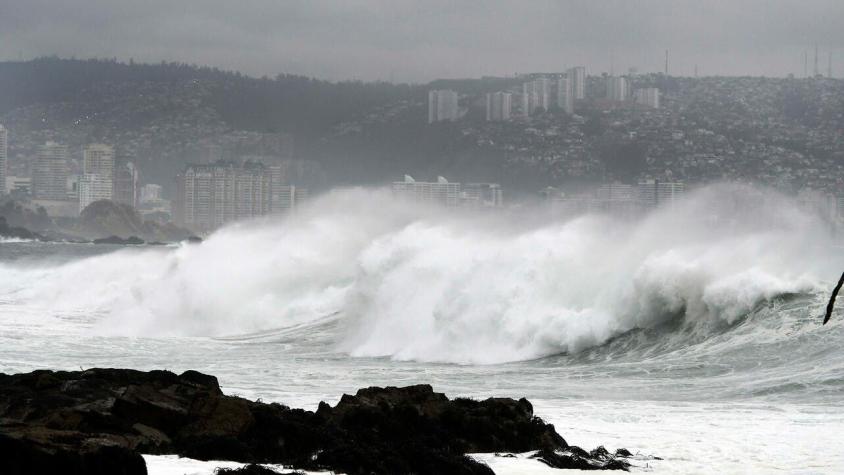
716	300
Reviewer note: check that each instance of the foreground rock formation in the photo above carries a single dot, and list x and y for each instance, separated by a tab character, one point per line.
99	422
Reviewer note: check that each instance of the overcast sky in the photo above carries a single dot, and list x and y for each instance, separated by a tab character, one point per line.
419	41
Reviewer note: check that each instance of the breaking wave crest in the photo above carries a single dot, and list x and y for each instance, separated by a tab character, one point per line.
427	284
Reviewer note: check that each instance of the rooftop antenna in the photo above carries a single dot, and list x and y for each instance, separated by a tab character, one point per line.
805	64
816	60
695	71
666	62
829	66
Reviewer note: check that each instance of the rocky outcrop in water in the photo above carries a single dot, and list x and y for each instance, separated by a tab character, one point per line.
129	241
107	218
16	232
99	421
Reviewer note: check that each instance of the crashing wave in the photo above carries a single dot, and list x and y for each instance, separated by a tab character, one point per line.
429	284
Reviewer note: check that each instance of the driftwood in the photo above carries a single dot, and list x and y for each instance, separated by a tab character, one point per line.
831	305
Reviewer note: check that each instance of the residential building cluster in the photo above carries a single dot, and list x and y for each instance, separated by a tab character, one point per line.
445	193
539	93
63	190
615	198
214	194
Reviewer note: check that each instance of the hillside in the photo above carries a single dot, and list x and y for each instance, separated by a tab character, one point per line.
780	131
164	115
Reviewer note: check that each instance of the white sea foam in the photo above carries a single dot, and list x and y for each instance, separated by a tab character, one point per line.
429	284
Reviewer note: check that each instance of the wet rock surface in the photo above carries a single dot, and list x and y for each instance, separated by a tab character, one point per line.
100	420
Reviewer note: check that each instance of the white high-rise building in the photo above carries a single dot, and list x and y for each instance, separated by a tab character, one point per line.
542	87
577	75
617	88
4	158
441	192
97	180
648	97
98	159
93	187
535	95
49	178
565	95
498	106
442	105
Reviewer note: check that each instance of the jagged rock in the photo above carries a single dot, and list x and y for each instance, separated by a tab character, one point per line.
579	459
111	415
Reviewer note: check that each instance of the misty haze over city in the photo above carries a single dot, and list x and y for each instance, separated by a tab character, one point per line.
410	41
409	237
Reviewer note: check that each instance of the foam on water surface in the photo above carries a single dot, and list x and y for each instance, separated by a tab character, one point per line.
692	334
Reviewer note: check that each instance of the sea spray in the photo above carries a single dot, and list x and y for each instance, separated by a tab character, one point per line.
432	284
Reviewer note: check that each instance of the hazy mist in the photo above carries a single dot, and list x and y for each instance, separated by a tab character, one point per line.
412	41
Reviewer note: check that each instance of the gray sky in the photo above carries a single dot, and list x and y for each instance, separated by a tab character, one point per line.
420	41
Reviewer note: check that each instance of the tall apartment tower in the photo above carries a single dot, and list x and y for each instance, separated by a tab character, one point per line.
617	88
49	177
648	96
125	189
98	159
577	75
565	95
4	158
542	88
212	195
535	95
97	180
442	105
498	106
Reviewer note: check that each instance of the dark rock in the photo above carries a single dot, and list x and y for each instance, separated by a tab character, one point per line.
16	232
194	239
108	416
623	453
44	451
600	453
131	240
579	460
252	469
462	425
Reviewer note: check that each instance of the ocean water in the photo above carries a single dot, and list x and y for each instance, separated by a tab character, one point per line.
692	333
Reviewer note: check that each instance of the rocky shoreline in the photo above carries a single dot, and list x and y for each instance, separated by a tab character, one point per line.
13	232
100	421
